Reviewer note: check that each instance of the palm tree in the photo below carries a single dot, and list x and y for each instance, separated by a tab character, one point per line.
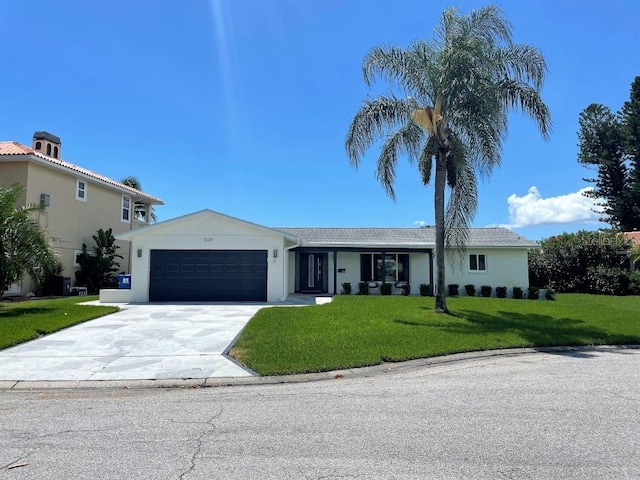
456	92
23	245
139	209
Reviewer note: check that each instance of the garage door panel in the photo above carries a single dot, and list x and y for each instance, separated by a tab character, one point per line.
208	275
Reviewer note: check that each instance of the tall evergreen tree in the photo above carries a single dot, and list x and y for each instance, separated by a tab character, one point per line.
610	144
630	118
601	148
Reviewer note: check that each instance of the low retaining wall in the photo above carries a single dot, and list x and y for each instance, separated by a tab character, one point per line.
115	295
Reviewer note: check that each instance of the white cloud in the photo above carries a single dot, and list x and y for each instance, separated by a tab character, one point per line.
419	223
531	209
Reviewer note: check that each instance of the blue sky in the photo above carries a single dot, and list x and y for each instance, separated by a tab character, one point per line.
242	106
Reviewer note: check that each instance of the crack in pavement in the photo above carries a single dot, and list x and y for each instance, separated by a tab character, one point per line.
200	442
14	463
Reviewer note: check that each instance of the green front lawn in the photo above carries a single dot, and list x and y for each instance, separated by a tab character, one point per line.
355	331
24	321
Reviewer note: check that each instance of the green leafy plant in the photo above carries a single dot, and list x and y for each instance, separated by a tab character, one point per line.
533	293
471	290
406	289
501	292
385	288
634	282
363	288
581	262
425	289
51	277
485	290
550	294
517	293
346	288
23	245
99	266
453	289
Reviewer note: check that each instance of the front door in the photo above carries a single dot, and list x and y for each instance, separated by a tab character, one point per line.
313	273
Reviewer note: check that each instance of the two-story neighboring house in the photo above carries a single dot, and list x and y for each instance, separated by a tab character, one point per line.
76	201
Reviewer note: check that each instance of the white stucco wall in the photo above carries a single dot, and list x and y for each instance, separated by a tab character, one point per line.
506	267
207	231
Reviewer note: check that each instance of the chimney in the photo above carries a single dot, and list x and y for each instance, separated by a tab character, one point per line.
47	144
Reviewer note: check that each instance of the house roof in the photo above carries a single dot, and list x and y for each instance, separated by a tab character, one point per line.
478	237
198	217
17	149
634	237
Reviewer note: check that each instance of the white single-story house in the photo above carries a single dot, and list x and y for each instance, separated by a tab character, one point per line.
209	256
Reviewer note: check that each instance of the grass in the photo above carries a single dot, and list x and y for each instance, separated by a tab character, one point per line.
24	321
355	331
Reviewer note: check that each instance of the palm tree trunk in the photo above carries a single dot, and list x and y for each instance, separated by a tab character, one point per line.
441	177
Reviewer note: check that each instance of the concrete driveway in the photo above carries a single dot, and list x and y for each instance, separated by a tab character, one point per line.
139	342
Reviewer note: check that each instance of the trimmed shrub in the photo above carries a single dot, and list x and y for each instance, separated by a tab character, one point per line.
385	289
485	290
634	282
471	290
517	293
424	289
608	280
550	294
363	288
453	289
501	292
346	288
406	289
534	293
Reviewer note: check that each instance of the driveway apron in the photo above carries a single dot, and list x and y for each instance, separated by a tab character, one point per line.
140	342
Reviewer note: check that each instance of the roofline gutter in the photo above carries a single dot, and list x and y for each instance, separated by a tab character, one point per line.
62	168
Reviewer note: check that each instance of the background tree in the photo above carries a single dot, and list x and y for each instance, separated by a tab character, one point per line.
139	209
98	266
454	94
581	262
610	144
24	249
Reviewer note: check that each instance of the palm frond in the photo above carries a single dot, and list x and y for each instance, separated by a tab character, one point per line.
372	120
520	96
425	162
461	209
405	141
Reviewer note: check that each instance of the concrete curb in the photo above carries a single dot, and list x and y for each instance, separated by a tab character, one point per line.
364	372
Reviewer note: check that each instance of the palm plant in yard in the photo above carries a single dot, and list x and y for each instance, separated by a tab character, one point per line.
449	101
139	209
23	245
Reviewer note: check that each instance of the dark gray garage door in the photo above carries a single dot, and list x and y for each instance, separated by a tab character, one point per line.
208	275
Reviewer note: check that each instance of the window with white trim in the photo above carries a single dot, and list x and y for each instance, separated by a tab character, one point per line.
81	190
477	262
126	209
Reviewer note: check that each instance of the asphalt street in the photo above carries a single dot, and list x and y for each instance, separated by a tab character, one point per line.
570	415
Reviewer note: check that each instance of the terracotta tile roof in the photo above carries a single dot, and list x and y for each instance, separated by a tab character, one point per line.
633	236
15	148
